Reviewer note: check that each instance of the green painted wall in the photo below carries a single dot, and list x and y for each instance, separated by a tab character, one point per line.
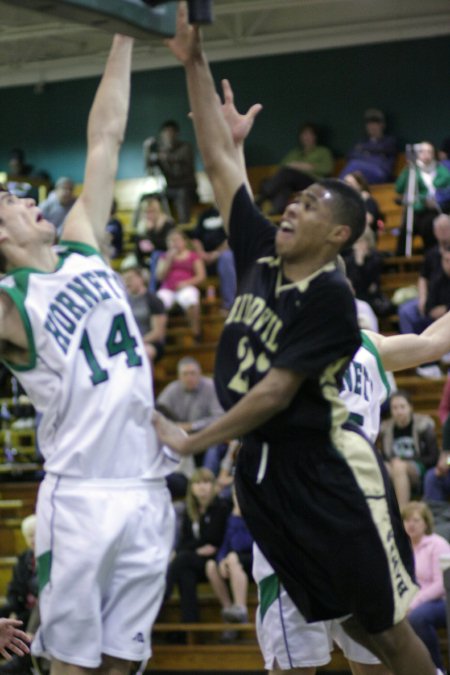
409	80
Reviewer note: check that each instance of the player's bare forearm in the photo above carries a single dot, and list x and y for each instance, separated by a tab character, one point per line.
109	111
269	397
439	332
398	352
105	132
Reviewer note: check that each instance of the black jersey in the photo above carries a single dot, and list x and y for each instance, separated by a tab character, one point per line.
308	327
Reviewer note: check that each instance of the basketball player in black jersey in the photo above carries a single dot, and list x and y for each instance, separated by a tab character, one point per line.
313	492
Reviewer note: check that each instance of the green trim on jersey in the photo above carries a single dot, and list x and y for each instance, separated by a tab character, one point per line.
269	590
368	344
77	247
18	296
44	566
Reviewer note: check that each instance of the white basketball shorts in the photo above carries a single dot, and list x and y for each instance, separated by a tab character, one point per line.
102	548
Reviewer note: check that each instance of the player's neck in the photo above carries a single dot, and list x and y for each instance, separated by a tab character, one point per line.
42	258
301	268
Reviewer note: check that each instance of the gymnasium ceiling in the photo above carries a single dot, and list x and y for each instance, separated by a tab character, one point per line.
36	48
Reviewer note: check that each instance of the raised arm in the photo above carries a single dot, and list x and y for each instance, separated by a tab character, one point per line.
221	157
87	220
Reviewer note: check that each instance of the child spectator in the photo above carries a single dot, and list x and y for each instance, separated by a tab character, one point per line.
149	312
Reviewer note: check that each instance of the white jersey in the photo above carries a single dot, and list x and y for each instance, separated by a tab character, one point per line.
88	374
365	388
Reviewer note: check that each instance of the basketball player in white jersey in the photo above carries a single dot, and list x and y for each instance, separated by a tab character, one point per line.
105	522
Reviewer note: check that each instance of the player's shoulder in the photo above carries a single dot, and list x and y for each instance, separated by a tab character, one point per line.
331	283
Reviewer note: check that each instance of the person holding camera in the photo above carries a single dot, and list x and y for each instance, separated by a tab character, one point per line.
175	159
432	181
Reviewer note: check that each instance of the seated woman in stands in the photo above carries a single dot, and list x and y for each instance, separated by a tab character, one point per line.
427	612
181	271
152	230
303	165
409	446
202	532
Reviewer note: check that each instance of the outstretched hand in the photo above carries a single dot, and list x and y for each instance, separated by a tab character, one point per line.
186	44
240	125
170	434
12	638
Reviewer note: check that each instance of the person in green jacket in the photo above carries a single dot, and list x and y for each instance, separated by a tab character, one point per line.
431	197
301	167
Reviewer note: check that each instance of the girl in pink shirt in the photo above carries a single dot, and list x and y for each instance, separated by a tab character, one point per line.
180	271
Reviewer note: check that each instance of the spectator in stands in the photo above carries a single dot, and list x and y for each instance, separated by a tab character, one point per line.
408	445
436	483
444	153
152	230
210	241
58	203
364	266
375	155
22	592
115	229
431	177
20	174
176	161
437	304
232	564
181	271
438	296
411	314
149	312
17	164
444	414
302	166
202	532
427	612
191	401
374	218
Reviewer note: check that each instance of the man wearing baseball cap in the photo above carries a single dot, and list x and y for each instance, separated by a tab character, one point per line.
375	155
